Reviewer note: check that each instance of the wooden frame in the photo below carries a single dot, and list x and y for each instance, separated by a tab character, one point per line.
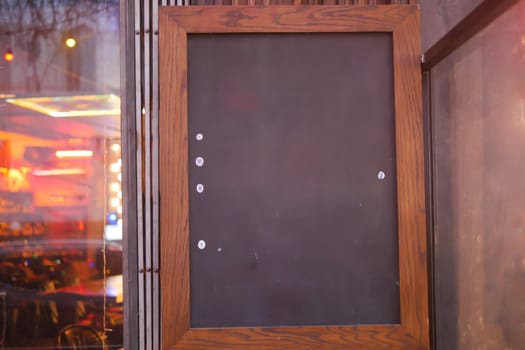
403	22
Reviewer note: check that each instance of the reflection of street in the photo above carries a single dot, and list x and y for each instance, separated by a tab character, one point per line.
3	312
90	301
60	171
111	287
33	317
18	217
43	292
13	180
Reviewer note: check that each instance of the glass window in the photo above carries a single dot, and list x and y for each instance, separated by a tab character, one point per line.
60	173
479	142
440	16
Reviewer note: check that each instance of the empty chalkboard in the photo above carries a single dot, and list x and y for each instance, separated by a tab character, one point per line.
292	180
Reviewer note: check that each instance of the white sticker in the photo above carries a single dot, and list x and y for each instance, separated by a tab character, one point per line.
201	245
200	188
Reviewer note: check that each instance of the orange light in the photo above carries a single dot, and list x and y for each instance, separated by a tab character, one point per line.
9	56
74	154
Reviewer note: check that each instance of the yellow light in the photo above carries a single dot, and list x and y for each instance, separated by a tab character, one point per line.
115	202
74	154
115	187
71	42
57	172
119	210
114	168
68	106
119	176
9	56
115	147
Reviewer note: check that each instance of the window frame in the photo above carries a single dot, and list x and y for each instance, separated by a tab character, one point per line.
403	22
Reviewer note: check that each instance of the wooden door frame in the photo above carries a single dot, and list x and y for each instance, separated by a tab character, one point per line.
403	23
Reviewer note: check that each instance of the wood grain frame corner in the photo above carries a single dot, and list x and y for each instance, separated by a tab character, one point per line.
403	22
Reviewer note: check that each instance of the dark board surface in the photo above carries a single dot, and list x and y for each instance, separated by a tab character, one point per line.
299	229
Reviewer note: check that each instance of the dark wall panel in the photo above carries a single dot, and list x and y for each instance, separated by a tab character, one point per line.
299	223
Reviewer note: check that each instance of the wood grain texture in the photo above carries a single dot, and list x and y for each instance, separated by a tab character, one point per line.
411	180
403	22
295	338
173	177
300	2
289	19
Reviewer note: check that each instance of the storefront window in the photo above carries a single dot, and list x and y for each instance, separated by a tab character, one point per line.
479	141
60	174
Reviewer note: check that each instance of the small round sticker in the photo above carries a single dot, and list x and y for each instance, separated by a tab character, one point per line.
201	245
199	161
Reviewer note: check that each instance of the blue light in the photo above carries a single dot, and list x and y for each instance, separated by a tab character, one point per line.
112	218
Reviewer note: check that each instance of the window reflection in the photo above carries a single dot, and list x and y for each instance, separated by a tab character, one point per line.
60	173
479	125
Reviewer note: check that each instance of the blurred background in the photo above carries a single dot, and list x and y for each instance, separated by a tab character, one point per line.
60	172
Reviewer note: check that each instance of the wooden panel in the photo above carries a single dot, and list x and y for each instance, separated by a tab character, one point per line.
300	338
289	19
301	2
411	178
403	22
173	164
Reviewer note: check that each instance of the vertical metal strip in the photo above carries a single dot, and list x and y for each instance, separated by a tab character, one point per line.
155	177
139	171
431	214
147	172
128	78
